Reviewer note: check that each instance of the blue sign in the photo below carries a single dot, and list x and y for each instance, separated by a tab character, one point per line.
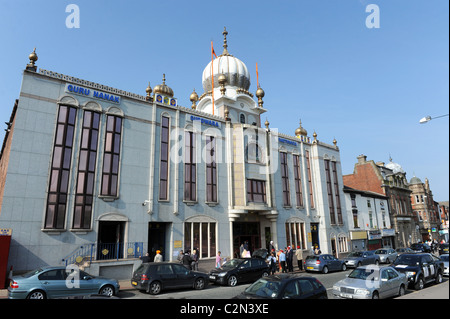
205	121
92	93
283	140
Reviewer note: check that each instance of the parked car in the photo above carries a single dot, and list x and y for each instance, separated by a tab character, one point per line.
444	258
239	270
420	269
403	250
155	277
360	258
387	255
324	263
421	248
443	249
285	286
371	282
57	282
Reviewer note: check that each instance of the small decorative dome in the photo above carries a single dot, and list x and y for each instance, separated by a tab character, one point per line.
415	180
260	93
396	168
33	56
301	131
194	96
163	88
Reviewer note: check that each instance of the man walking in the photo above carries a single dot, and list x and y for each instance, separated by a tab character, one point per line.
282	260
299	255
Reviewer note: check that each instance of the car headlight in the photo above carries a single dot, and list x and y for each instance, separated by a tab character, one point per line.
337	288
410	273
222	274
362	292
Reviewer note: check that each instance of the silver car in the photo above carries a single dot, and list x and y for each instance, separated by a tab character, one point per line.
371	282
444	258
387	255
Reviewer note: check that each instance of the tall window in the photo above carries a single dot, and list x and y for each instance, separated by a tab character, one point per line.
308	168
164	164
211	169
202	237
298	181
60	171
295	234
285	179
86	171
189	167
354	211
256	191
336	193
330	192
111	156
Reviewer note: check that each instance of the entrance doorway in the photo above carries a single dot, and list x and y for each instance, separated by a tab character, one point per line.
156	239
315	235
248	234
110	240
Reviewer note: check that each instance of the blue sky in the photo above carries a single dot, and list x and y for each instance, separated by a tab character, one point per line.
317	61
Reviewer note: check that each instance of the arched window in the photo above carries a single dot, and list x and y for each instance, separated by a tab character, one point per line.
242	118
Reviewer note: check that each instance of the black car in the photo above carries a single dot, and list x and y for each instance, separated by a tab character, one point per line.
285	286
239	270
443	249
421	248
420	268
154	277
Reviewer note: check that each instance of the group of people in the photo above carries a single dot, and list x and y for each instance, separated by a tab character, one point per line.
283	260
189	259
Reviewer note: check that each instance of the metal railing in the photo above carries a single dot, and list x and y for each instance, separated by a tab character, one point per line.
104	251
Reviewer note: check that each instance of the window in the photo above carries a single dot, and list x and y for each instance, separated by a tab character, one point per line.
285	179
200	236
84	193
355	218
190	174
308	167
111	156
256	191
211	169
164	159
295	234
336	193
330	192
298	182
60	170
242	118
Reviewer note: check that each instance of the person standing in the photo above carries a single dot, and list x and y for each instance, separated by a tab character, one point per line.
272	263
194	257
289	259
299	255
282	259
187	260
218	260
158	257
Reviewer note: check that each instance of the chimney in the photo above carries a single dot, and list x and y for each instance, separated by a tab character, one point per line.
362	159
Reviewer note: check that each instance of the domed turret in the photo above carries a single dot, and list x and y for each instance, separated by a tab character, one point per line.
163	88
300	131
415	180
396	168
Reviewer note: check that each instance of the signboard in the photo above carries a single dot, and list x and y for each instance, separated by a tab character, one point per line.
204	121
374	234
165	100
5	231
70	88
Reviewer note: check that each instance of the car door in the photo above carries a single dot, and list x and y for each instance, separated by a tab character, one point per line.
306	288
185	278
335	262
54	283
244	271
395	280
166	275
428	267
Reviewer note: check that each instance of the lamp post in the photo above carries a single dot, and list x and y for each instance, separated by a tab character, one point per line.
428	118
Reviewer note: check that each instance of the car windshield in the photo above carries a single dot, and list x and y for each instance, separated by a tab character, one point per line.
411	260
32	273
264	288
444	257
381	251
364	274
312	258
232	263
355	254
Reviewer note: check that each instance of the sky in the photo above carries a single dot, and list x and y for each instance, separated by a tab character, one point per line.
326	62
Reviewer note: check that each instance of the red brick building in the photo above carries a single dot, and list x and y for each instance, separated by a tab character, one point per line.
388	180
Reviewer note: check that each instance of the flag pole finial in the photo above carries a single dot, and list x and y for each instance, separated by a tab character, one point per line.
225	44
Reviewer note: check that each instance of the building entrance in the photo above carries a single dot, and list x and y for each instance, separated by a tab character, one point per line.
157	239
110	240
247	234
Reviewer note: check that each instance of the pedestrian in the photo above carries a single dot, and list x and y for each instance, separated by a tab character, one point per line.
299	255
158	257
218	260
317	250
272	263
187	260
271	246
282	259
146	258
289	259
180	256
194	257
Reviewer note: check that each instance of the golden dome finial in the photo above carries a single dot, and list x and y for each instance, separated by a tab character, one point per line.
260	94
148	90
334	141
33	58
194	98
266	123
225	44
300	131
163	88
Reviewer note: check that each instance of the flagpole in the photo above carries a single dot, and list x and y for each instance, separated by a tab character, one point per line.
212	75
257	75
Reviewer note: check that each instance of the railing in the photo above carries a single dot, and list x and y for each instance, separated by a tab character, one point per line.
104	251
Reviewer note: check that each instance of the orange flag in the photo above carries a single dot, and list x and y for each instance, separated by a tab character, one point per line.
257	75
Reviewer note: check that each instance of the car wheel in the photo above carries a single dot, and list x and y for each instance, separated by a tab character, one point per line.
265	274
375	295
438	277
325	270
107	291
419	284
344	267
232	281
199	284
401	291
154	288
37	294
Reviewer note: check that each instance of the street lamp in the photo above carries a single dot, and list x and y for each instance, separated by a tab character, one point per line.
428	118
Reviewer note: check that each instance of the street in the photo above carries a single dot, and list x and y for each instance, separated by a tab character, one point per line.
224	292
